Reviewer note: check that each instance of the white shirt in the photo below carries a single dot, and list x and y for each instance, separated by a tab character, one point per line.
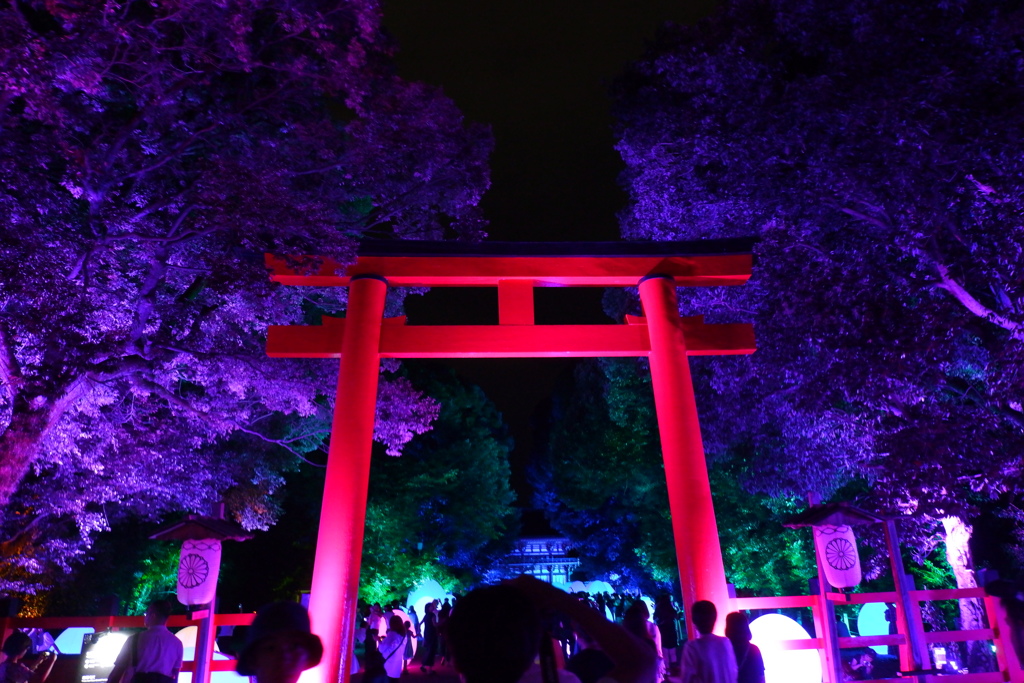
708	659
157	651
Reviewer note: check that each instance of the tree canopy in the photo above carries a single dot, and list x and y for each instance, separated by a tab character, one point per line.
151	154
875	151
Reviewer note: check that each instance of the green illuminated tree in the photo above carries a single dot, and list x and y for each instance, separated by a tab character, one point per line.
444	509
602	483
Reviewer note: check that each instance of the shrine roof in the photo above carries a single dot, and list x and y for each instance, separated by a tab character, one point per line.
832	514
197	527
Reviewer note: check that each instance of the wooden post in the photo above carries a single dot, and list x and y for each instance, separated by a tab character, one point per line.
698	551
205	644
832	668
1006	653
913	655
335	588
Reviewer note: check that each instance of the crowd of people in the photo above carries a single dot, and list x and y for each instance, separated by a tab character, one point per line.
519	631
526	631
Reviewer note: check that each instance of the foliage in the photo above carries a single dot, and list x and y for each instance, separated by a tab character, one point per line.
444	509
875	151
602	484
124	567
761	556
151	154
283	553
602	426
156	579
449	492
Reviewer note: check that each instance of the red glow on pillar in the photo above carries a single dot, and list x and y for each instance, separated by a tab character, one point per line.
335	589
698	551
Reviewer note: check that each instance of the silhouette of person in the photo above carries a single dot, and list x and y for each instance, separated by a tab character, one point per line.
279	645
749	663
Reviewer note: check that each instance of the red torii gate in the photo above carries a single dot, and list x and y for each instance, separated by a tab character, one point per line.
363	337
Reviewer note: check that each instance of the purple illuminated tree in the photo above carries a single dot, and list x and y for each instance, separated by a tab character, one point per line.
151	154
875	150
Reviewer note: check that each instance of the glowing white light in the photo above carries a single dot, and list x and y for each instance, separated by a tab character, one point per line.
424	593
784	666
871	622
108	646
70	641
650	607
595	587
215	676
188	636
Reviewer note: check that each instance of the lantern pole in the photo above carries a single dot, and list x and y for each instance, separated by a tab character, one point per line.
698	549
204	642
827	611
201	535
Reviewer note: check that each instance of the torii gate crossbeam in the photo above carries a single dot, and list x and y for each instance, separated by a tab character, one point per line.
364	337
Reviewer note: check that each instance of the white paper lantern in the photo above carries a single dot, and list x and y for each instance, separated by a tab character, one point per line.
837	548
198	570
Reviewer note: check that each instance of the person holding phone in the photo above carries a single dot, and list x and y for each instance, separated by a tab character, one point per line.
14	669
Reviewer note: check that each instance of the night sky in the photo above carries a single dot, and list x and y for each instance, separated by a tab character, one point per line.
537	72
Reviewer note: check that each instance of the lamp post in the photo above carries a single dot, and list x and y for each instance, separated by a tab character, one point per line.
198	570
839	563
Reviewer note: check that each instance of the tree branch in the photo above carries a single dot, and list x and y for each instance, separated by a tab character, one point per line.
220	423
167	158
877	222
10	375
946	282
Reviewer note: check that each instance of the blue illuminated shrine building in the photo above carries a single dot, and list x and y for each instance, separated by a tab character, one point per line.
541	552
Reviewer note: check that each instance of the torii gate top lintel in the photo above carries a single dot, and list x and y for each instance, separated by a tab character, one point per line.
544	264
515	268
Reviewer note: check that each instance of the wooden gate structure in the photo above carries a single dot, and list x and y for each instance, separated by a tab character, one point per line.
364	336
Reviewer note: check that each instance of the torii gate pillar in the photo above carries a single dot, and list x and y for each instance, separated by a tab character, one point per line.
698	551
339	544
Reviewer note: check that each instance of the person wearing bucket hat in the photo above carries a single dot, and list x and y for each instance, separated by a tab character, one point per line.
279	645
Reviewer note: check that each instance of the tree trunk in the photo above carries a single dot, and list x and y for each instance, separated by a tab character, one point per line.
972	614
19	444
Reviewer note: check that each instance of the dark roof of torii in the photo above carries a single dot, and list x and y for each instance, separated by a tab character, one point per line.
742	245
197	526
404	263
834	514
